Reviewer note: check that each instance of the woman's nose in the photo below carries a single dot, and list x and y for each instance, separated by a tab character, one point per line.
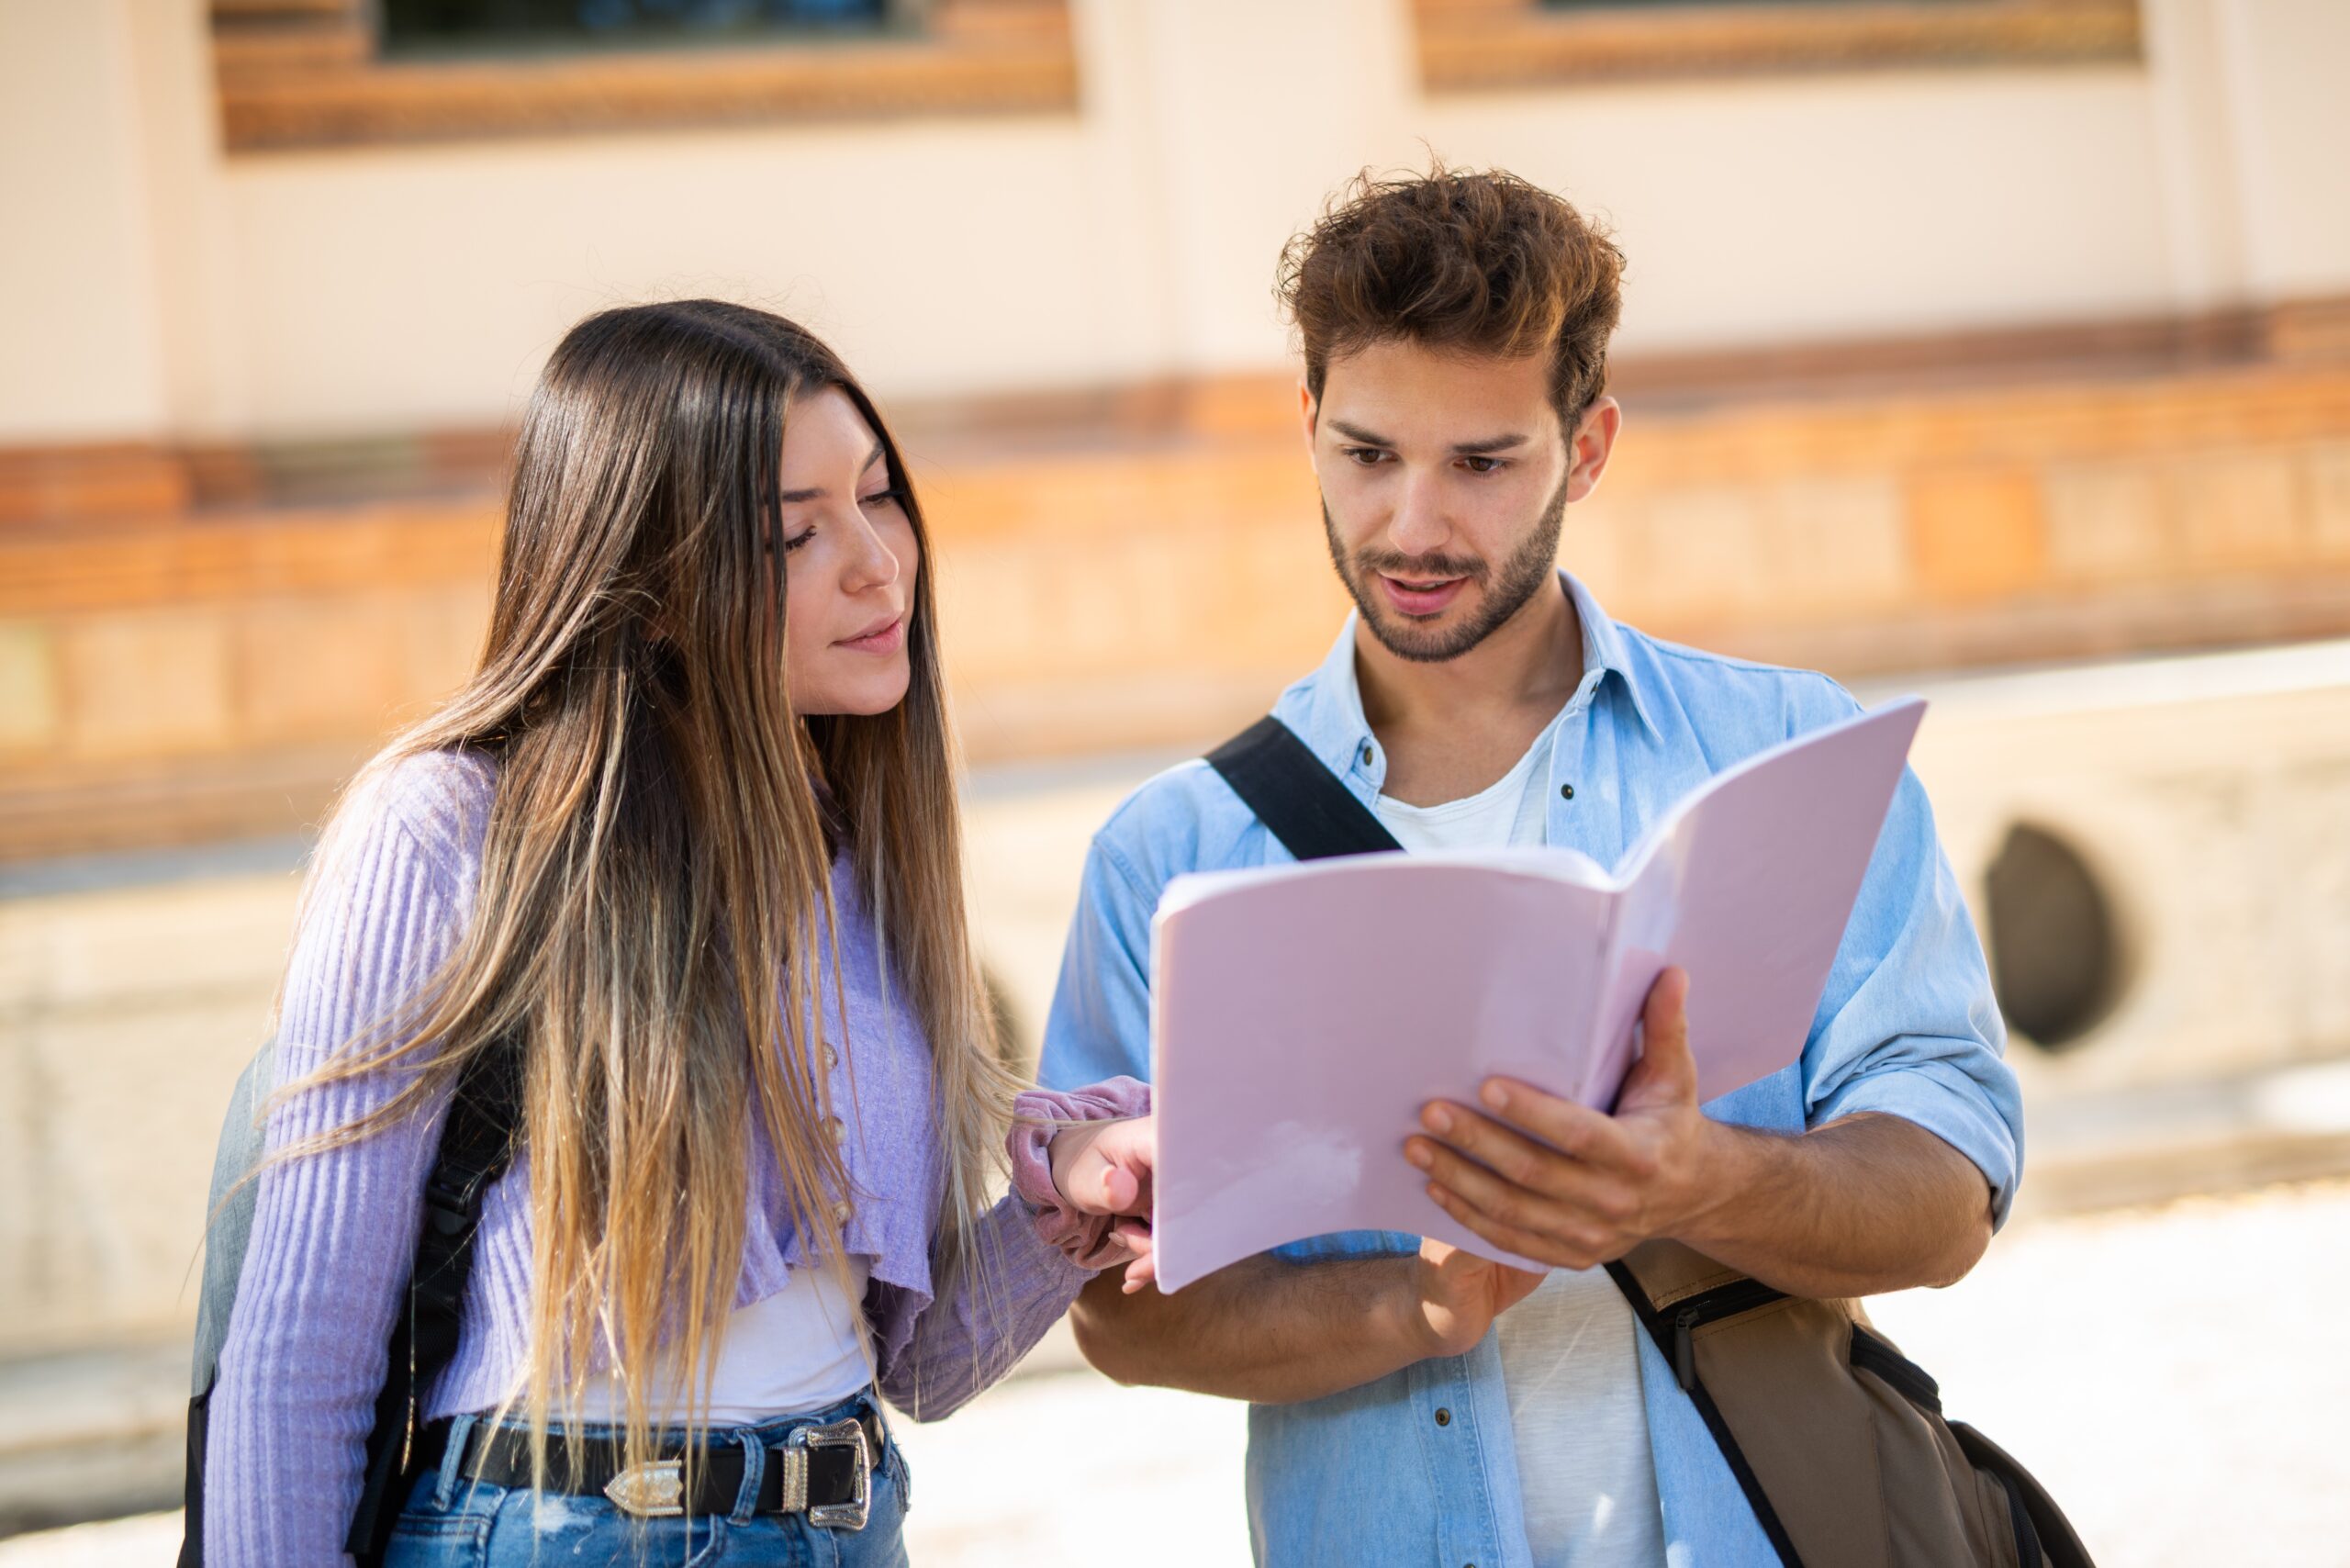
871	563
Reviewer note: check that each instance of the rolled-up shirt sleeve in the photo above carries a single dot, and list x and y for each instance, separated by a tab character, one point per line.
1907	1026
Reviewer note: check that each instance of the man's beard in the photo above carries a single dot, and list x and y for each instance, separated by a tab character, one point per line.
1534	563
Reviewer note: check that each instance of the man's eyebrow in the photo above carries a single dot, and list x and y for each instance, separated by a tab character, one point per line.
1491	444
793	498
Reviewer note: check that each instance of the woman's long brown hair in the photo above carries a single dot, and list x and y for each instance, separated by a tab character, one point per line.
655	874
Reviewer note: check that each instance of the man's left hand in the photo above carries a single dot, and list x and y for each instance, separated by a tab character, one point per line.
1570	1186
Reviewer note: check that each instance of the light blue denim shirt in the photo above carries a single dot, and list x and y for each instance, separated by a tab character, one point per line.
1907	1026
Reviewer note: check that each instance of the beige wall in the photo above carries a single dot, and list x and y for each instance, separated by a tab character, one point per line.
2205	795
80	329
404	287
2286	61
170	291
1851	206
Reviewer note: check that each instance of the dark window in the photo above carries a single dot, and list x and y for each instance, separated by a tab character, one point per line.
2056	951
434	27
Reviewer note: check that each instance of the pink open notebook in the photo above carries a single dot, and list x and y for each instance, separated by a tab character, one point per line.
1303	1014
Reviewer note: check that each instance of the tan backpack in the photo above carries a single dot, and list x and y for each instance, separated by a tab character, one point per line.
1836	1438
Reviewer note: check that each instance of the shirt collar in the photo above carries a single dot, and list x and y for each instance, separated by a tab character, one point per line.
1606	649
1326	708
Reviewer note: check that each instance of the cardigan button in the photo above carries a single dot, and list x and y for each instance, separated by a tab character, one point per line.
841	1211
839	1129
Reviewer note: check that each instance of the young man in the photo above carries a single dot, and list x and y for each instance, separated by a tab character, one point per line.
1411	1403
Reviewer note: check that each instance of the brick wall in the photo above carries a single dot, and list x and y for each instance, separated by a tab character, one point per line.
216	669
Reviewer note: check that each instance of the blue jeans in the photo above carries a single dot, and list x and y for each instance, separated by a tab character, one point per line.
454	1522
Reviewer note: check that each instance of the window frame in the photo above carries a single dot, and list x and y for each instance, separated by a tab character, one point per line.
1497	45
296	74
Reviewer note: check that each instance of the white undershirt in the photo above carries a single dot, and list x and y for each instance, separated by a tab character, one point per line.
1570	1361
795	1352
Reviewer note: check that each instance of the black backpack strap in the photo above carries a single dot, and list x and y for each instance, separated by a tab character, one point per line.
476	1146
1673	1343
1300	801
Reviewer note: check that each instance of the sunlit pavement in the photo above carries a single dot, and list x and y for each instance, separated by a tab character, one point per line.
2176	1376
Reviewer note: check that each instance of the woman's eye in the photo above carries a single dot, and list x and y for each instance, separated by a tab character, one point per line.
796	540
878	499
1485	464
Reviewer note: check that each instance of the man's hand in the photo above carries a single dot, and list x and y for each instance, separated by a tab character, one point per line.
1559	1183
1867	1202
1458	1295
1103	1167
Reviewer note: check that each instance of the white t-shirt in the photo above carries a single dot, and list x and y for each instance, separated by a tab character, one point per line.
1569	1360
796	1350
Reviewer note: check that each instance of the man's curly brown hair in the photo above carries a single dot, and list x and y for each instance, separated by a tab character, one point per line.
1475	263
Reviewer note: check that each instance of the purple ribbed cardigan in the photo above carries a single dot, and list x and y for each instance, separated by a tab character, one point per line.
333	1233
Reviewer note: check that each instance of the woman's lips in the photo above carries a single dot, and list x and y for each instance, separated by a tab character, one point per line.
1420	598
889	639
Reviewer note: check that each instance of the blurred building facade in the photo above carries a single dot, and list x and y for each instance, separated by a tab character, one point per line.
1960	333
2019	341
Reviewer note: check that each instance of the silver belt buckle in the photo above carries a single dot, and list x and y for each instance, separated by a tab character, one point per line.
652	1491
849	1435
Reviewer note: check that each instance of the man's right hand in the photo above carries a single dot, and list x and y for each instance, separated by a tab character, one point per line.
1459	1295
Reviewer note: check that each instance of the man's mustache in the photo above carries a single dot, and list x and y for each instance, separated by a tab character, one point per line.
1421	569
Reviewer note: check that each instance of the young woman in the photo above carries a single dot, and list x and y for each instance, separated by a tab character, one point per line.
689	837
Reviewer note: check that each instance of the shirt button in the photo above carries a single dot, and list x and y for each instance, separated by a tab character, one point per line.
1566	792
1443	1416
1366	754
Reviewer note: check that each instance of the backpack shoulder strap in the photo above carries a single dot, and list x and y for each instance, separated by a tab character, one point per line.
228	1224
1300	801
477	1147
228	1209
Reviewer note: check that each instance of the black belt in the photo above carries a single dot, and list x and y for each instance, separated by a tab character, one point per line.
825	1470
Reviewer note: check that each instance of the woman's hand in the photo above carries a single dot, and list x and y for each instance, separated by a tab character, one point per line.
1104	1168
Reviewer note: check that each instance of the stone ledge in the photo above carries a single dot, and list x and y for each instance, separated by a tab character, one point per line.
2125	1146
91	1435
